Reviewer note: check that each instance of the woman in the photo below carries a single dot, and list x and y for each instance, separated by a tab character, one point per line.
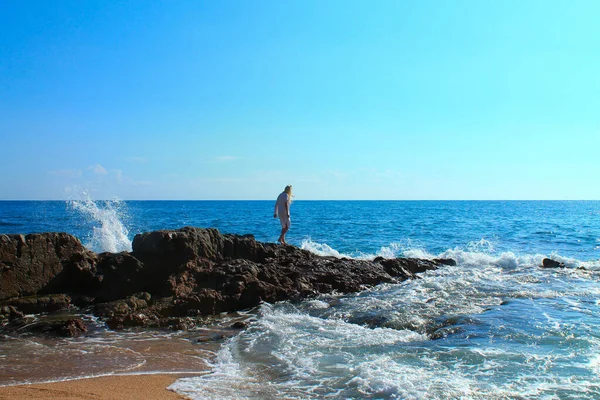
282	208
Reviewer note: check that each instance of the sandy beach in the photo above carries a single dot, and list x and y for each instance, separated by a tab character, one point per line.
114	387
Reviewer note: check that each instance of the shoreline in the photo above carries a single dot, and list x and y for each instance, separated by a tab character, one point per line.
151	386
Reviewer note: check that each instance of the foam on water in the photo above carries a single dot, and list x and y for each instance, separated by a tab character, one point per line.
494	326
395	249
108	231
322	249
477	253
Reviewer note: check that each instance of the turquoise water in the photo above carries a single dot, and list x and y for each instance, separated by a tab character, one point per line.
494	326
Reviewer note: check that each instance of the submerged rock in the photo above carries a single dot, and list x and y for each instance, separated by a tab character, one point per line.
549	263
57	325
174	275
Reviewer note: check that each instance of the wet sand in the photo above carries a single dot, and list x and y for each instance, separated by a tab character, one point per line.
114	387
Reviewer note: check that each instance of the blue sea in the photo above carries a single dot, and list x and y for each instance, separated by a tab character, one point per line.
495	326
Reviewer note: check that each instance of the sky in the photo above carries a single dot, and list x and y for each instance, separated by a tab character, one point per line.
398	100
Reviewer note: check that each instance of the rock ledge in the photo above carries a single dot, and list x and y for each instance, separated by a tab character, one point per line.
172	276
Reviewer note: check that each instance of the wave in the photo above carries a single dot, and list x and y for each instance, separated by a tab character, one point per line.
477	253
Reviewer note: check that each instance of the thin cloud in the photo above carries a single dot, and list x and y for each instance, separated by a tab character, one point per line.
98	169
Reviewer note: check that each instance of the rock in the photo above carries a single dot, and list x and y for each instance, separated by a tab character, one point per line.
44	262
172	276
39	304
73	328
132	311
61	325
120	275
203	302
239	325
185	244
9	313
445	261
549	263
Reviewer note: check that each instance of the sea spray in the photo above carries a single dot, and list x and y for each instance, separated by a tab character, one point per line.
108	231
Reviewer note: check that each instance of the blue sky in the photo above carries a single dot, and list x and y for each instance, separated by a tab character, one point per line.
342	99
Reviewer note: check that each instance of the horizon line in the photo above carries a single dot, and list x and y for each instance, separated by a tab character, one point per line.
1	200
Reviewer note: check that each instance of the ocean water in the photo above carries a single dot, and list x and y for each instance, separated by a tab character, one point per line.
496	326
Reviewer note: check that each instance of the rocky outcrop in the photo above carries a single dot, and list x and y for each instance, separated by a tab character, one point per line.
173	276
51	262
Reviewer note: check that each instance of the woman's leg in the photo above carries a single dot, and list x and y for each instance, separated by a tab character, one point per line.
283	232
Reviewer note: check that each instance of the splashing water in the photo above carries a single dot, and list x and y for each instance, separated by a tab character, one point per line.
111	235
495	326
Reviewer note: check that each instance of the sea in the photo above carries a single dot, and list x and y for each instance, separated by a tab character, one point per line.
495	326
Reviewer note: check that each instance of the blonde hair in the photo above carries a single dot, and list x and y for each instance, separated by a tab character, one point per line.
288	190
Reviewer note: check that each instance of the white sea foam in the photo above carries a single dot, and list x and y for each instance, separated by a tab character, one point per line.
477	253
503	317
292	344
286	353
393	250
108	231
322	249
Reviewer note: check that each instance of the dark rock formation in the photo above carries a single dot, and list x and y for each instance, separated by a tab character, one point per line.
173	276
38	263
549	263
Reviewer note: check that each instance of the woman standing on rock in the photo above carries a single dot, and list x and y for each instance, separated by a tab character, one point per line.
282	208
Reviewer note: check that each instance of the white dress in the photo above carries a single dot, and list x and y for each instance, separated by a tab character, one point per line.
280	210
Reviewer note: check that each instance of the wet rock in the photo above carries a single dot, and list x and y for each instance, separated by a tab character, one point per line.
9	313
178	324
203	302
549	263
370	321
73	328
445	261
442	327
121	307
39	304
239	325
215	337
60	325
443	333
